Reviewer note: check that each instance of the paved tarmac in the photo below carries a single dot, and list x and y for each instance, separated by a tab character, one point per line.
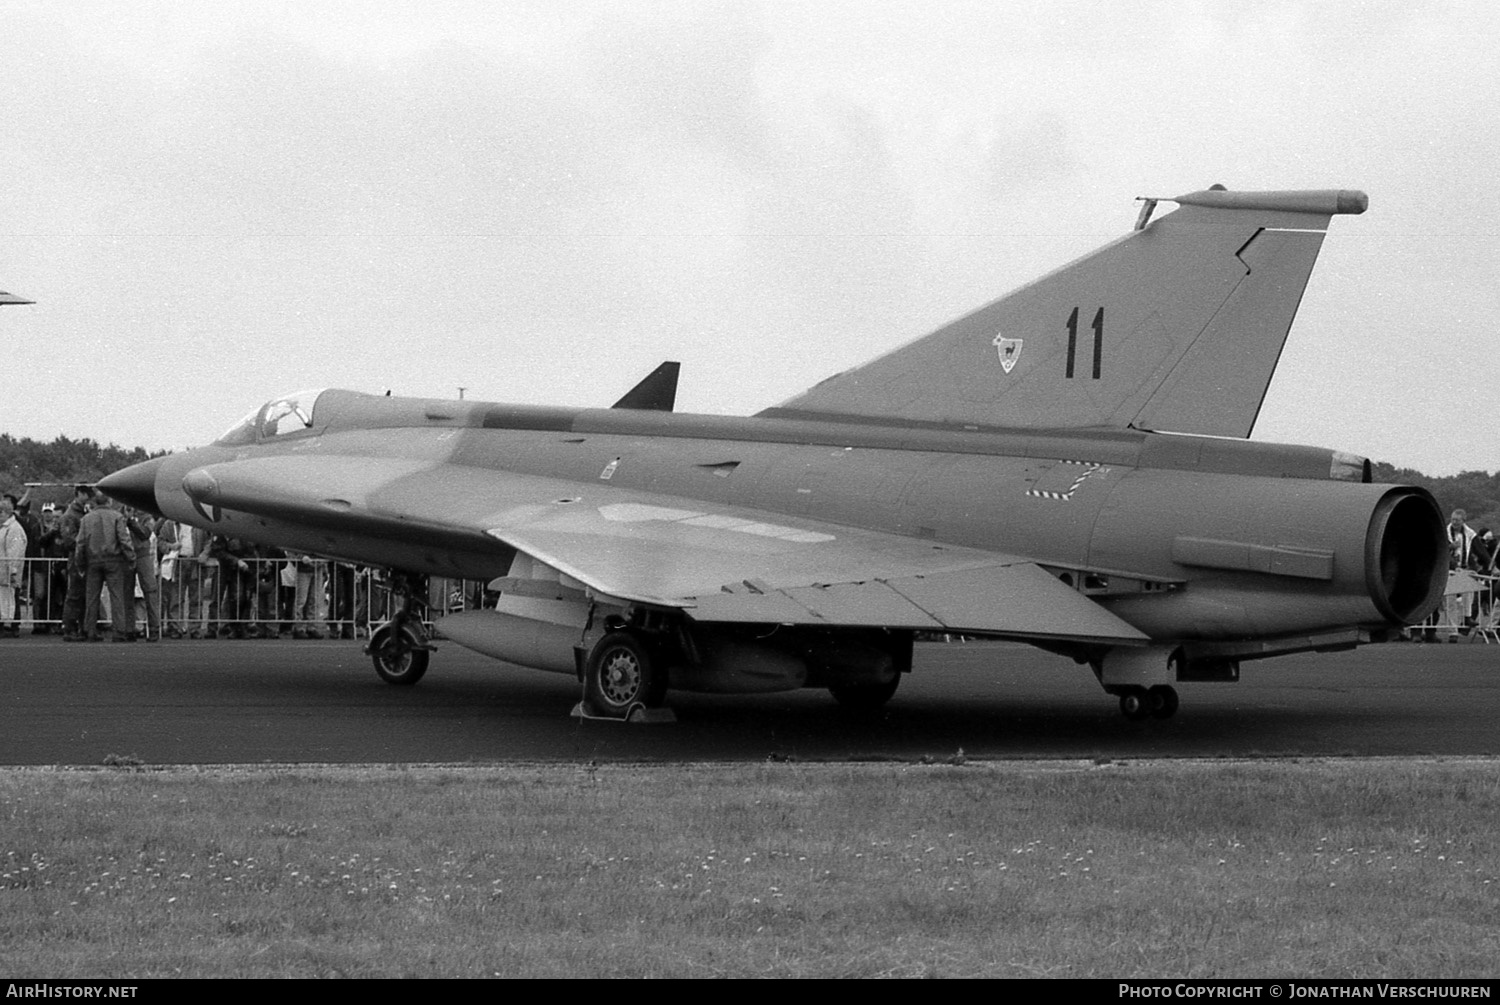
231	702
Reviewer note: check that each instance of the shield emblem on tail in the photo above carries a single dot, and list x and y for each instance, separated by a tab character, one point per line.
1010	351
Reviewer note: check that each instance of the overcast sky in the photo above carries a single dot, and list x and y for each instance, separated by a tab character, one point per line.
216	203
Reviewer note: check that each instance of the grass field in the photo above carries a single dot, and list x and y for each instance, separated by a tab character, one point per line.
1160	869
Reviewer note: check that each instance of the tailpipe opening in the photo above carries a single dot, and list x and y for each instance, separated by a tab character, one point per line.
1406	555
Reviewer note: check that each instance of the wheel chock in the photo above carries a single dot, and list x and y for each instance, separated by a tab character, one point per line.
639	715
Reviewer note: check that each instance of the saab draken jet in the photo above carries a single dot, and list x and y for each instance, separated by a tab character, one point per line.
1068	466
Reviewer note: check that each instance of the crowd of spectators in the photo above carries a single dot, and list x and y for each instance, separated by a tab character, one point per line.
1469	602
158	578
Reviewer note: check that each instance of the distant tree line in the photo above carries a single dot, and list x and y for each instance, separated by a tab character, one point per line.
62	460
1475	492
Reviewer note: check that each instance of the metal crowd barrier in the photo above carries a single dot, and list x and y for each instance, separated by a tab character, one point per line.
1469	611
280	596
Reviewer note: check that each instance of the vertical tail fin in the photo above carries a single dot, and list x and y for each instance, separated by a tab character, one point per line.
1176	326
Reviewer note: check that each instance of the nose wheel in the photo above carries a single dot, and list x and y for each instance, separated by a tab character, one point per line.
400	652
1158	702
400	648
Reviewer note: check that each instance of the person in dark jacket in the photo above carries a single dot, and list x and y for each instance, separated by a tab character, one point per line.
67	543
106	551
142	575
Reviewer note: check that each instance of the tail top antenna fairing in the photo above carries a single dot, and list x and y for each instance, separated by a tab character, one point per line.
1177	326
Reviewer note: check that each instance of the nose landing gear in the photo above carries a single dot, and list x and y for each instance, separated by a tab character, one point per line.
400	648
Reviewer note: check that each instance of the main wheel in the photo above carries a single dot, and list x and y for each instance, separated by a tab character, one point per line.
1135	704
1163	701
397	658
865	697
621	674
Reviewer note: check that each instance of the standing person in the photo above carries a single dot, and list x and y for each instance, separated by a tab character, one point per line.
1482	561
198	576
49	578
106	552
33	528
308	607
12	565
276	583
167	550
1479	552
143	539
1457	606
239	591
67	543
342	625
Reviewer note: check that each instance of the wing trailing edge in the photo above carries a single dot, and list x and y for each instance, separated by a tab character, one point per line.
1020	600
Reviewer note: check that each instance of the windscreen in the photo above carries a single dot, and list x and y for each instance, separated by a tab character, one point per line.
291	413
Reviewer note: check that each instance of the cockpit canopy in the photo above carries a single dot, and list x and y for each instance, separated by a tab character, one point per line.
291	413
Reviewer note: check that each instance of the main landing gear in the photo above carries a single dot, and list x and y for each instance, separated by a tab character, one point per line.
624	673
400	648
621	676
1137	677
1156	702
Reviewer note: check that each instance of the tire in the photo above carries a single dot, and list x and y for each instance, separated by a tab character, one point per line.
621	674
396	657
1163	701
865	697
1135	704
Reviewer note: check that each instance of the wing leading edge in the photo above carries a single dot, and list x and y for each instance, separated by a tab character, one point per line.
716	563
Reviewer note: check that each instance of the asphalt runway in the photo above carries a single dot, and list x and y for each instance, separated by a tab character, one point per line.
228	702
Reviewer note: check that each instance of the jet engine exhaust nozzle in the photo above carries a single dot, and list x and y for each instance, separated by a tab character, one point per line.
1406	552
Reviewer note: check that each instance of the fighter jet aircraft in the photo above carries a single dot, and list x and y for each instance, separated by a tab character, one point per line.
1066	466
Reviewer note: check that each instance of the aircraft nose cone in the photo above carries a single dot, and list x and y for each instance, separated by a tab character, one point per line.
135	485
